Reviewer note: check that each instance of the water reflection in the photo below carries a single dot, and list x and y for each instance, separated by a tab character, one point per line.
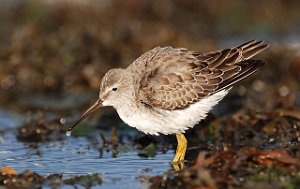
77	156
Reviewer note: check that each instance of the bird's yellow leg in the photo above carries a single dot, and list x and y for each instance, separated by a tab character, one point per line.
180	151
183	147
177	154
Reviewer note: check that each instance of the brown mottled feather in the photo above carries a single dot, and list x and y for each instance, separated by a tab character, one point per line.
173	78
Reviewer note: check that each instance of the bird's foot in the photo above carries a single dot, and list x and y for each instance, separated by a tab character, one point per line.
179	165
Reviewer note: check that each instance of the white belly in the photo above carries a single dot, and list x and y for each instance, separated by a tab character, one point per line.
168	122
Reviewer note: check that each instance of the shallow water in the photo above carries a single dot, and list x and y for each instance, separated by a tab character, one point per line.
76	156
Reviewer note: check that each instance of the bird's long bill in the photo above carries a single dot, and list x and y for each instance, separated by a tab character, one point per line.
89	111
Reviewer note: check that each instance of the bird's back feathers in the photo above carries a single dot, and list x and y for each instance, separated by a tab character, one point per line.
174	78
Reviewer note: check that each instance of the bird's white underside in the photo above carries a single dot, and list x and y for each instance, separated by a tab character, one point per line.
166	122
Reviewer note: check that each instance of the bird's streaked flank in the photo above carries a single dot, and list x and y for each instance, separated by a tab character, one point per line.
169	90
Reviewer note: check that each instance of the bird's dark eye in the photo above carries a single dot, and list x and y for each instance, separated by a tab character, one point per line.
114	89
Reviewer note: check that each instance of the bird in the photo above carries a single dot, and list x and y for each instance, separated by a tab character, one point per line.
169	90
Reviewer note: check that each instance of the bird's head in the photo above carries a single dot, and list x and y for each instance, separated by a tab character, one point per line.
112	91
112	87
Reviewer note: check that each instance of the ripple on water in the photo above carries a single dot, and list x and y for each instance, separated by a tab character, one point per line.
76	156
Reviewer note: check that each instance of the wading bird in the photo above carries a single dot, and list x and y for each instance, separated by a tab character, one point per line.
169	90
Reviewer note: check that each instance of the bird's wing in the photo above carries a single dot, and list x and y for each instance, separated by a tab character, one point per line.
169	78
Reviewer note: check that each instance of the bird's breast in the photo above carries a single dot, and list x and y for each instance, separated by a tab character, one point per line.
155	121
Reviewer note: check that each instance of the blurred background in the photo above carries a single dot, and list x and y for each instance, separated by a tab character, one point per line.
53	54
56	46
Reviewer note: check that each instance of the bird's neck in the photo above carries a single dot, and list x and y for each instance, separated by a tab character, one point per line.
126	107
127	99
